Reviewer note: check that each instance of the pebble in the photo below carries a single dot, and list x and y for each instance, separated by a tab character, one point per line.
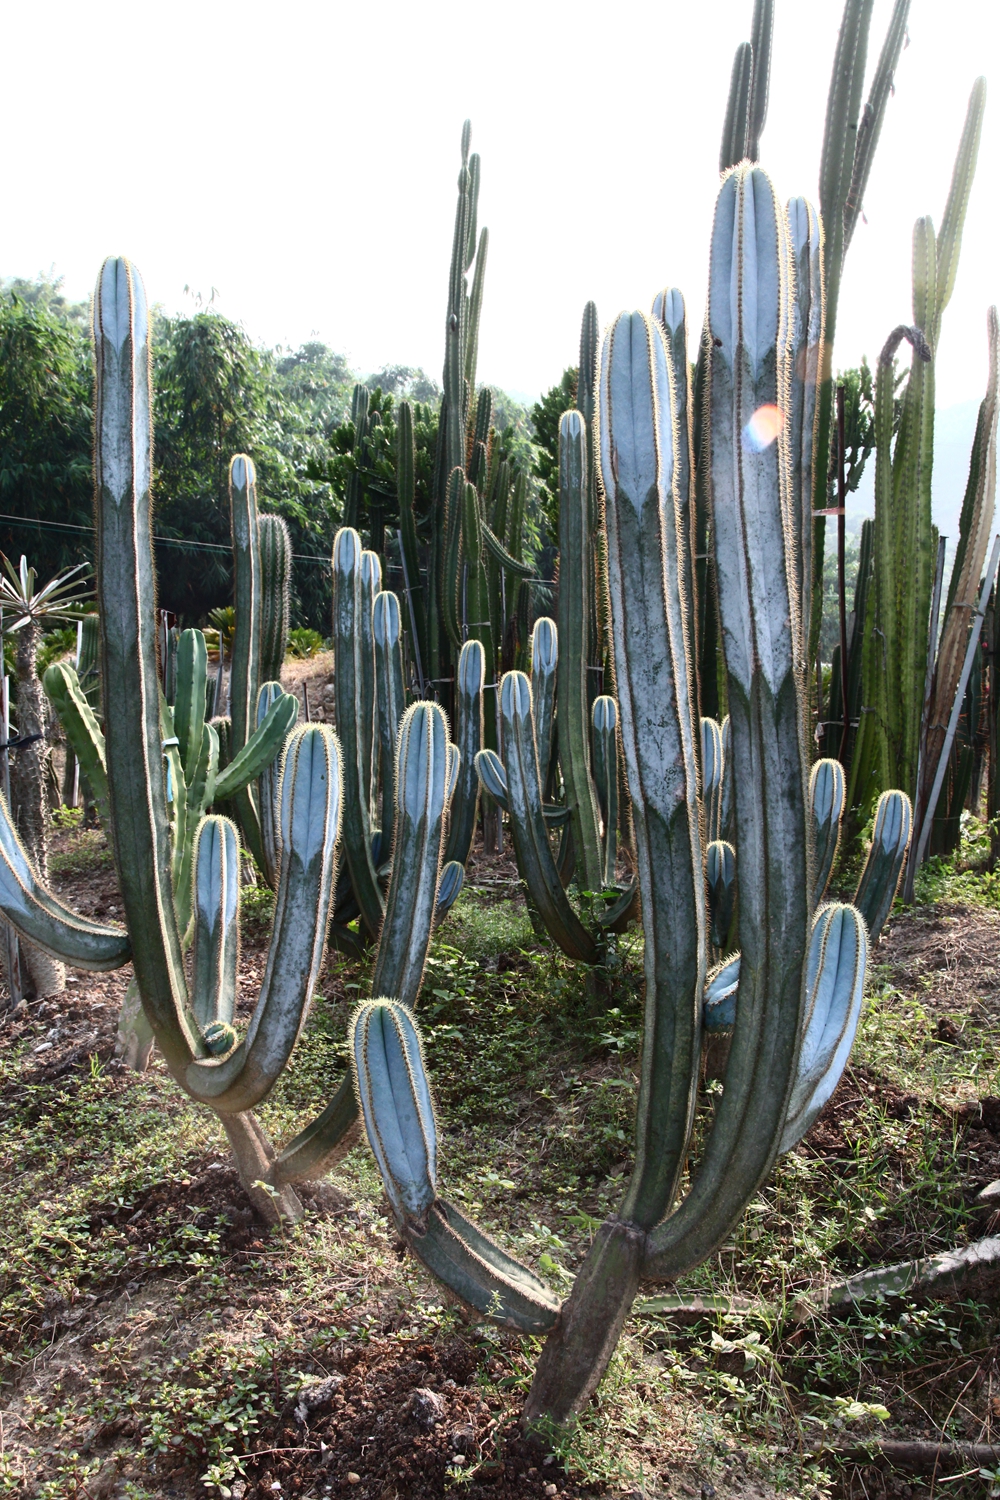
353	1478
550	1489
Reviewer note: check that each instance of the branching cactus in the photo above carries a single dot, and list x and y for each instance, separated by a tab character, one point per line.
585	741
792	995
160	775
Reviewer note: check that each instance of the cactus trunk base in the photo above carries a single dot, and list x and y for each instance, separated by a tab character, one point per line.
255	1159
134	1044
580	1347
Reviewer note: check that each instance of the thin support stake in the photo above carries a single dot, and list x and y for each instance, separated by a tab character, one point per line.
932	640
841	570
925	827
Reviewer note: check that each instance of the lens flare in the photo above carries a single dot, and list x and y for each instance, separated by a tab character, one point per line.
762	428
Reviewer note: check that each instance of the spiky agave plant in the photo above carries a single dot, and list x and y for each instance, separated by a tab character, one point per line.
794	991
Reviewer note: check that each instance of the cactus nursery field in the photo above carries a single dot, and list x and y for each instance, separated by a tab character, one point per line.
543	1037
160	1339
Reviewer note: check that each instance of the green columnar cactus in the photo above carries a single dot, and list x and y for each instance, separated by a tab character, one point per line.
800	976
157	785
605	727
275	581
827	792
390	696
355	708
469	679
896	648
576	610
849	142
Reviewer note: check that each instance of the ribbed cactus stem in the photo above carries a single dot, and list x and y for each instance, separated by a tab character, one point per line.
353	712
469	679
275	583
576	602
390	695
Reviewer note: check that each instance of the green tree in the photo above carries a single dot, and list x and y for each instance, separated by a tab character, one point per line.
217	394
545	416
45	428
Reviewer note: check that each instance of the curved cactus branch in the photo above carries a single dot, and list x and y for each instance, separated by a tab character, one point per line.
309	820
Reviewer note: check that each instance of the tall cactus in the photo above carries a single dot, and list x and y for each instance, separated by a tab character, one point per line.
895	664
800	972
152	778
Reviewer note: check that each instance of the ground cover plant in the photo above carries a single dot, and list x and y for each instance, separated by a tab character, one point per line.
657	1196
157	1334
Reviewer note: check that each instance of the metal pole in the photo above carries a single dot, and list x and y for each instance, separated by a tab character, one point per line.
413	620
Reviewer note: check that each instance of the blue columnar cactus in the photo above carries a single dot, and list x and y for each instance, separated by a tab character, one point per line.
792	994
178	863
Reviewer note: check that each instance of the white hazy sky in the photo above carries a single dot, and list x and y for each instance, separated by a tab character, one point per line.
301	159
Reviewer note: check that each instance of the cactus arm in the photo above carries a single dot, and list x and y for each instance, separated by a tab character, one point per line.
949	240
190	697
726	789
760	40
827	794
398	1112
126	600
371	586
669	309
470	675
246	591
870	126
527	821
310	799
449	889
275	546
544	667
324	1142
605	725
808	310
82	730
421	808
260	750
480	1273
267	789
396	1106
737	122
835	985
497	549
409	546
493	776
390	695
451	571
351	711
196	799
755	560
880	877
181	833
711	777
720	878
37	916
575	609
476	301
215	955
658	739
720	995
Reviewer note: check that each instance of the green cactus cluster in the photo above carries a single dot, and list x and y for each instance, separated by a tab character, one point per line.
164	770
